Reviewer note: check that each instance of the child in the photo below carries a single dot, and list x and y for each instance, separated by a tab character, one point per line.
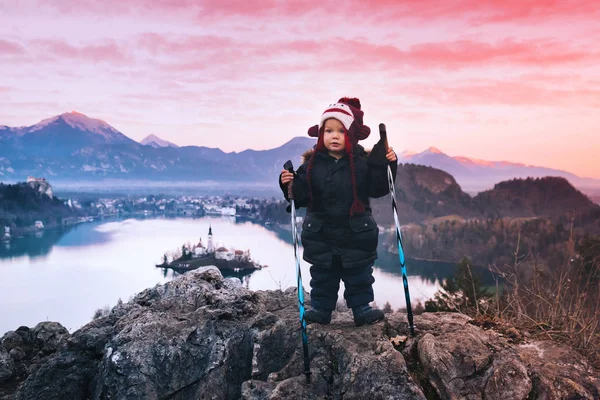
339	234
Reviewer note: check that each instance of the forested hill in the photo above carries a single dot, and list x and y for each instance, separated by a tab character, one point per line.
550	197
23	203
425	193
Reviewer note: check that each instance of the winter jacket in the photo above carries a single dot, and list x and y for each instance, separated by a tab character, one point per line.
328	228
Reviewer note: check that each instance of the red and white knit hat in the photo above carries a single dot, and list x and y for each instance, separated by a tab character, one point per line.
347	111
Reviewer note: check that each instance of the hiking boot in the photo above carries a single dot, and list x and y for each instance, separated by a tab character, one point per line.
319	316
366	315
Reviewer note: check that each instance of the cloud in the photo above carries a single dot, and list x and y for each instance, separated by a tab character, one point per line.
230	58
497	92
10	48
378	11
105	51
155	43
468	53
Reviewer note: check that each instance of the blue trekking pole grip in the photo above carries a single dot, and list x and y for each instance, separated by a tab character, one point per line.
290	168
383	135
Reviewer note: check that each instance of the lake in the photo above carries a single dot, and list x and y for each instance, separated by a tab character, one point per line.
65	276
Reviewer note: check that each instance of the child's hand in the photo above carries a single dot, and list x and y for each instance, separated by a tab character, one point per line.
286	177
390	155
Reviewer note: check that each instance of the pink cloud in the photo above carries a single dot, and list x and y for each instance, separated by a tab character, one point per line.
11	48
228	56
355	10
509	93
466	53
156	43
107	51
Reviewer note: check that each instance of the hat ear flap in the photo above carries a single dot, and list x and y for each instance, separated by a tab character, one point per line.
313	131
363	132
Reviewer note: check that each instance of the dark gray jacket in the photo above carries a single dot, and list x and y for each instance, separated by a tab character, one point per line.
328	229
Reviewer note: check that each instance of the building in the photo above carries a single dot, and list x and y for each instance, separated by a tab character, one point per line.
199	250
223	254
240	255
34	179
41	185
210	245
228	211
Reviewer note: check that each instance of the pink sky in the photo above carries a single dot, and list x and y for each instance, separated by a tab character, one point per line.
516	81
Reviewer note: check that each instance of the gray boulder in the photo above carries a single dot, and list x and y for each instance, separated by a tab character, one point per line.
201	336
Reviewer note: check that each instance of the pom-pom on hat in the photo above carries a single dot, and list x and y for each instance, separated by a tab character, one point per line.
347	111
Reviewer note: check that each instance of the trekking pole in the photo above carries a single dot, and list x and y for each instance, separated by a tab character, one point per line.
383	134
289	167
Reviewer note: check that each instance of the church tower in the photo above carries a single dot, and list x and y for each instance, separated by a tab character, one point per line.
209	247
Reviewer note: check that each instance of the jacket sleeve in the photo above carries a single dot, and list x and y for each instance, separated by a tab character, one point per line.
377	164
300	187
378	179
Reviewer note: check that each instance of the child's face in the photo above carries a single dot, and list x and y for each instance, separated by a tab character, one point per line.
334	137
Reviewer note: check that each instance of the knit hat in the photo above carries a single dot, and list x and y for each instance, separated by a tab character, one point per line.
347	111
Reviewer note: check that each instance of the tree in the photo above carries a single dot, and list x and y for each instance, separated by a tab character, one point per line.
387	308
461	293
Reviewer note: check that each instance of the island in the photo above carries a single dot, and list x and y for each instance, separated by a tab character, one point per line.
229	262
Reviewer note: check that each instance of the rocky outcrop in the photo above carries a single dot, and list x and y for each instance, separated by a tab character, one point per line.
40	185
201	336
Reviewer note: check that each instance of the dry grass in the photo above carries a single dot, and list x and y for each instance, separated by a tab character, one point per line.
561	305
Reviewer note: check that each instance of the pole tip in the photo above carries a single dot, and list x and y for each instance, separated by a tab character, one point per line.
382	132
308	374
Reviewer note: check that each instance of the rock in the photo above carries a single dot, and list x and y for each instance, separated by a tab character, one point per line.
346	362
12	339
463	361
64	375
49	336
17	354
190	337
509	379
29	348
7	366
202	336
558	372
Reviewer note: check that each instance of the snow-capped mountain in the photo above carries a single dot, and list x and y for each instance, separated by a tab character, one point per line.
81	122
65	133
73	147
475	174
156	142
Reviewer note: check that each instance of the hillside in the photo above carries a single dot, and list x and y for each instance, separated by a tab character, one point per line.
22	204
442	222
424	192
548	197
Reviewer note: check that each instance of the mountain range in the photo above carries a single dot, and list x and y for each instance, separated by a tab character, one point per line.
476	175
72	147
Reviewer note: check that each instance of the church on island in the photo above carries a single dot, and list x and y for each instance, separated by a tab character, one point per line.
225	259
221	253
